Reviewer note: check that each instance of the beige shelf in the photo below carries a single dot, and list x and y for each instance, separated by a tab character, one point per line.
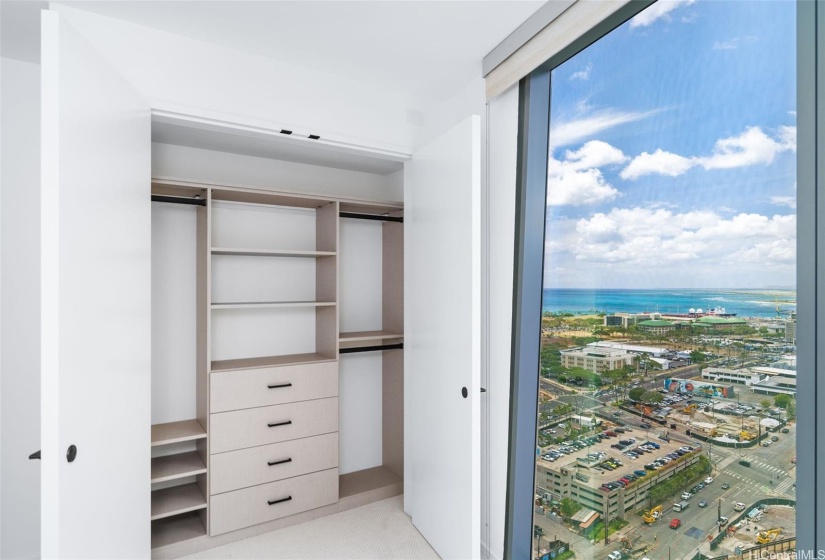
367	336
269	361
176	500
367	480
179	528
176	466
175	432
272	253
272	304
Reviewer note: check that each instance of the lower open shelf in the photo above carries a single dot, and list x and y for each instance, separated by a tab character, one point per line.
367	480
171	530
176	500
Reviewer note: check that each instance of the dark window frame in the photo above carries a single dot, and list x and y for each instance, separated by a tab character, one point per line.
531	185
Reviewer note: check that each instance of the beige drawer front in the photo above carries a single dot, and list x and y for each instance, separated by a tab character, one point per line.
268	463
234	390
272	424
243	508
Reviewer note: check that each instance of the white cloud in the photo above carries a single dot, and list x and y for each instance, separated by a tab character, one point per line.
789	201
570	132
657	11
642	238
584	74
577	180
726	45
660	162
792	113
752	147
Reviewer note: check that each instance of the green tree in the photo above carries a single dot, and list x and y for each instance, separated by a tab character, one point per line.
790	410
782	401
765	403
697	356
636	393
569	507
652	397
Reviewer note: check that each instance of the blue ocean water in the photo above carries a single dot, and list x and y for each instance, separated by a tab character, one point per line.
745	303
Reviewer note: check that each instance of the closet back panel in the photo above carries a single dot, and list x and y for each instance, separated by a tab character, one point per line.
360	422
249	226
174	342
244	278
253	333
360	275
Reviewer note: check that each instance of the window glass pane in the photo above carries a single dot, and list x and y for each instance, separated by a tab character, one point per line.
668	365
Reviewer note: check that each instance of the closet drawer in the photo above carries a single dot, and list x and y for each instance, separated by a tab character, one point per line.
243	508
233	390
272	424
268	463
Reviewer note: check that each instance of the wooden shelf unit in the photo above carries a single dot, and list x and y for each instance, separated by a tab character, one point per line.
269	361
177	500
172	530
272	253
271	304
176	432
179	465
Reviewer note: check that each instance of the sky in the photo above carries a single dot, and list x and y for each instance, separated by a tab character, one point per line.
673	151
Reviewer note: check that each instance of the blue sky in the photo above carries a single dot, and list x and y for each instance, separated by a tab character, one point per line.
674	151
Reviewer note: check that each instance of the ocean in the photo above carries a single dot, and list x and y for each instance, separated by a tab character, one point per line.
745	303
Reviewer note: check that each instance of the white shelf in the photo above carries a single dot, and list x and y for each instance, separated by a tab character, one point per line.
180	465
175	432
271	253
171	530
271	304
176	500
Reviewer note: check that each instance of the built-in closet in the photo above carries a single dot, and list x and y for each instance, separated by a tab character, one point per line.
277	357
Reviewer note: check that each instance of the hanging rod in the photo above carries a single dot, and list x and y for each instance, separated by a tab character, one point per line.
371	217
179	200
399	346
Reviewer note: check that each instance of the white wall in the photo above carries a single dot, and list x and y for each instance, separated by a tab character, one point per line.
175	72
503	135
20	305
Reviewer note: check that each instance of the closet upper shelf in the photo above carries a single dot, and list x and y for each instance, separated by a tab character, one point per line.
271	304
271	253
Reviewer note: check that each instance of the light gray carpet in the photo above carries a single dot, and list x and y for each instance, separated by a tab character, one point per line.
377	531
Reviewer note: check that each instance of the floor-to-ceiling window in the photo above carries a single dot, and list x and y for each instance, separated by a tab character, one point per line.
666	412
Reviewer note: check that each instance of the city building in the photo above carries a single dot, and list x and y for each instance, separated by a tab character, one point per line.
790	331
745	376
776	385
655	351
719	323
625	320
698	388
656	326
596	360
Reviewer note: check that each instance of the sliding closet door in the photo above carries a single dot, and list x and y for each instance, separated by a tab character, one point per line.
442	183
95	304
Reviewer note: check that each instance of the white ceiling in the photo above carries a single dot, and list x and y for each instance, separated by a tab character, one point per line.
423	48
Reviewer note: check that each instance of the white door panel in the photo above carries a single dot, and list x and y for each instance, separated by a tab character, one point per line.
442	340
96	305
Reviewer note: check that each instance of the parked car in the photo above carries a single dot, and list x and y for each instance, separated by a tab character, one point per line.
739	506
708	480
686	495
644	425
615	555
703	504
725	486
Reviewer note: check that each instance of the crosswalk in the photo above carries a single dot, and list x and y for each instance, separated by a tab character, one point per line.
765	466
783	487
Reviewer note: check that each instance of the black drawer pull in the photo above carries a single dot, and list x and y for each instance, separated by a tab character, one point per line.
273	502
281	386
280	424
281	462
